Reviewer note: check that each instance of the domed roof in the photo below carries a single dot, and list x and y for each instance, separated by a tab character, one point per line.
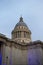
21	32
21	23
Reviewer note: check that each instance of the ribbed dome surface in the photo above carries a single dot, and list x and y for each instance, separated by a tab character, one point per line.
21	23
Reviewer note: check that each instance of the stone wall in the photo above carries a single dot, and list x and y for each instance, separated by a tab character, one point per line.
17	56
35	56
24	54
14	56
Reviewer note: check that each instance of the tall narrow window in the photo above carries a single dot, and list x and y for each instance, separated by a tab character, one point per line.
16	34
27	34
20	33
24	34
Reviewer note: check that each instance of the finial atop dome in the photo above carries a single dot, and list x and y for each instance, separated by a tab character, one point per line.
21	19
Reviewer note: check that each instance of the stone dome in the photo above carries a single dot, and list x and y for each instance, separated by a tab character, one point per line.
21	32
21	23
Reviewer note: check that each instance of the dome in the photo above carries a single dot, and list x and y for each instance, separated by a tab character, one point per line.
21	32
21	23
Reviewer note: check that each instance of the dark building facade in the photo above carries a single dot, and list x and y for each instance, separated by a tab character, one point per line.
20	49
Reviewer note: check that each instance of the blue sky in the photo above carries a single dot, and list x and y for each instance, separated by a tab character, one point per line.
31	11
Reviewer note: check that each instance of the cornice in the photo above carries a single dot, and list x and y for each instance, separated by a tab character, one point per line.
10	42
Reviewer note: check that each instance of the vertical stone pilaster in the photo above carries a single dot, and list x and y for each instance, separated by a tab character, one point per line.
3	54
10	60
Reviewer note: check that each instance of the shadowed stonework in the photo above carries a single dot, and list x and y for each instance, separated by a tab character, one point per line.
0	55
35	53
34	57
0	58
